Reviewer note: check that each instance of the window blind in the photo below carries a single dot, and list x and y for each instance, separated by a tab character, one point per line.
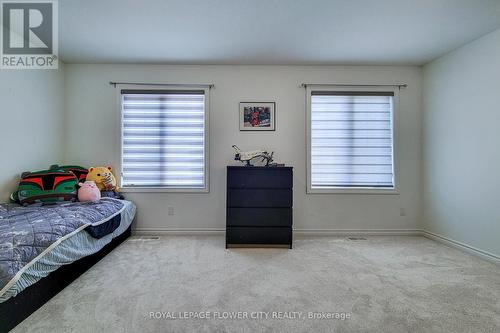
351	140
163	138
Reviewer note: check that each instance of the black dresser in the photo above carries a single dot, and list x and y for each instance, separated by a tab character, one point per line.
259	206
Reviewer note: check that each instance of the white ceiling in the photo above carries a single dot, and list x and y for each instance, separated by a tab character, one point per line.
305	32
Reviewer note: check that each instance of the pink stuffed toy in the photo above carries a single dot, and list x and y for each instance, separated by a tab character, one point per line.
89	192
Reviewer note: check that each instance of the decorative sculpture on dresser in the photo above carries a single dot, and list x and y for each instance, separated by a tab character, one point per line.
248	156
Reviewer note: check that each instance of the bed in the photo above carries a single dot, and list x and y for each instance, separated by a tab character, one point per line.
43	249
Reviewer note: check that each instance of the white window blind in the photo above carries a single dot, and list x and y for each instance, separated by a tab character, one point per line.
351	140
163	138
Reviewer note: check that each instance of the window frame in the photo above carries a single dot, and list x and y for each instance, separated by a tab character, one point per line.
394	118
119	158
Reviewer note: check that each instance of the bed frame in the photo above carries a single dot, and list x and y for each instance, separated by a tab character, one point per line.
16	309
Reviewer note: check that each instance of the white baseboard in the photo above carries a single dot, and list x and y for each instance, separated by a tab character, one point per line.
357	232
461	246
177	231
297	232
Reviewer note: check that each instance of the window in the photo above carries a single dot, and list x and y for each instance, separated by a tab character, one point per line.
351	140
164	139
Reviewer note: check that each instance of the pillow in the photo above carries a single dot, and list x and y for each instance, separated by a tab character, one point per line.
47	186
80	172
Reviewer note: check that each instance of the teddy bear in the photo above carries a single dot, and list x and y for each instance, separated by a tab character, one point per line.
88	191
103	178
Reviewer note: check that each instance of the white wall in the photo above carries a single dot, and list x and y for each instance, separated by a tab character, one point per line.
461	146
92	129
31	123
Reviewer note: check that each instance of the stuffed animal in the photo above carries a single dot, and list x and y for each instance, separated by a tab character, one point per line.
89	192
103	178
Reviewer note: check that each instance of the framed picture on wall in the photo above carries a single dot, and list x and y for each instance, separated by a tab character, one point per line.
257	116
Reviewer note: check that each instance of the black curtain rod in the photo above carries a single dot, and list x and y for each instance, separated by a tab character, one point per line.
399	85
210	85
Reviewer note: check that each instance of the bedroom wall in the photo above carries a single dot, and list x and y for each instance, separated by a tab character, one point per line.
92	130
31	123
461	154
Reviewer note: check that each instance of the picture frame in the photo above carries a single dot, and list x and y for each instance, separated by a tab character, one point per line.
257	116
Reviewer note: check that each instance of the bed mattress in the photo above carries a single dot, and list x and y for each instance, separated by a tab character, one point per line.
69	245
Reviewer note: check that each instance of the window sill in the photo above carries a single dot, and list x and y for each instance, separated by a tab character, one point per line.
162	190
355	190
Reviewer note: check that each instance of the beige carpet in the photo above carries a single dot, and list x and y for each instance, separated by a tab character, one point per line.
383	284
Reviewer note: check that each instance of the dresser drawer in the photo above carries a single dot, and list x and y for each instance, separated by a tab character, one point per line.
259	198
259	217
256	235
259	177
